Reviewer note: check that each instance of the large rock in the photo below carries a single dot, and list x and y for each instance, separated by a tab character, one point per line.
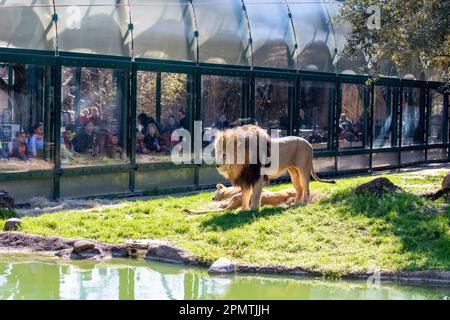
82	245
6	200
222	265
12	224
164	251
377	187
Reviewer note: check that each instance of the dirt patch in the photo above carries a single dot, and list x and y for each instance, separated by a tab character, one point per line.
377	187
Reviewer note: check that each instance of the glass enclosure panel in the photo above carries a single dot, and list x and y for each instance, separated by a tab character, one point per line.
93	117
163	30
314	35
271	104
384	110
27	24
93	26
437	154
159	116
436	118
26	96
412	156
353	118
324	164
272	34
221	100
412	130
316	105
385	159
357	162
223	32
343	63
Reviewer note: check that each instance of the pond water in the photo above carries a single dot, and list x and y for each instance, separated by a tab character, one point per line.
35	277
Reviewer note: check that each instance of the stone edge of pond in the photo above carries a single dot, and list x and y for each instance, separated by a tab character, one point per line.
164	251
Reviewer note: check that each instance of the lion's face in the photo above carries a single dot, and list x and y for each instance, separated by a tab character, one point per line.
236	148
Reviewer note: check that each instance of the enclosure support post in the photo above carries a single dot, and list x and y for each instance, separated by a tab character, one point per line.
132	126
57	129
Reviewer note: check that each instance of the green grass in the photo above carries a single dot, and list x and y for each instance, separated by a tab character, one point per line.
342	233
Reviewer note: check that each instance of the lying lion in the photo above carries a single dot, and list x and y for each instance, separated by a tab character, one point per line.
231	198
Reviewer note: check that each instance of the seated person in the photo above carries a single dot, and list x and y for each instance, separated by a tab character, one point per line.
222	123
166	136
140	146
114	150
182	120
36	142
343	120
84	116
67	140
357	130
100	143
3	154
347	135
151	139
20	147
315	137
95	118
84	140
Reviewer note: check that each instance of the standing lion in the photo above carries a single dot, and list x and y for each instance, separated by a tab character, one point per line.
239	159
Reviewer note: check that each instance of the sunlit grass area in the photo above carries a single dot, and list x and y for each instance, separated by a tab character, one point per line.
339	234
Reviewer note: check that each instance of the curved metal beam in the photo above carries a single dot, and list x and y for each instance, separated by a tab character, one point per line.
250	39
294	54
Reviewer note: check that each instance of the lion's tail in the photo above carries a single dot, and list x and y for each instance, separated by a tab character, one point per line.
314	175
203	212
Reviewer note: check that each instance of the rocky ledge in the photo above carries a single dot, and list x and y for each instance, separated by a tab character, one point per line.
164	251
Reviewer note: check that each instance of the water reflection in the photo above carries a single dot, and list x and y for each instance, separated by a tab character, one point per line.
24	277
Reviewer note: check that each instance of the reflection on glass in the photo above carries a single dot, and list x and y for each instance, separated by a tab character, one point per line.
384	100
316	100
353	119
221	101
272	100
412	132
162	29
93	26
159	117
25	91
272	34
314	34
436	126
223	32
27	24
93	128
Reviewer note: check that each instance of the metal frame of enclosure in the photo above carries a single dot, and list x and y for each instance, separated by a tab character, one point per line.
190	37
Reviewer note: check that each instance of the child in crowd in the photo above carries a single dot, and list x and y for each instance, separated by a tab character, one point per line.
151	140
114	150
20	148
36	142
95	118
171	126
67	149
84	140
84	117
140	146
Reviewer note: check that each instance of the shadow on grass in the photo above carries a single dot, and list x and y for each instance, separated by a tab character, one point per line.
231	220
421	226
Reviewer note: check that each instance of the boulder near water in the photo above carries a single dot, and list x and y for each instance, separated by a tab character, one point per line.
222	265
82	245
12	224
6	200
